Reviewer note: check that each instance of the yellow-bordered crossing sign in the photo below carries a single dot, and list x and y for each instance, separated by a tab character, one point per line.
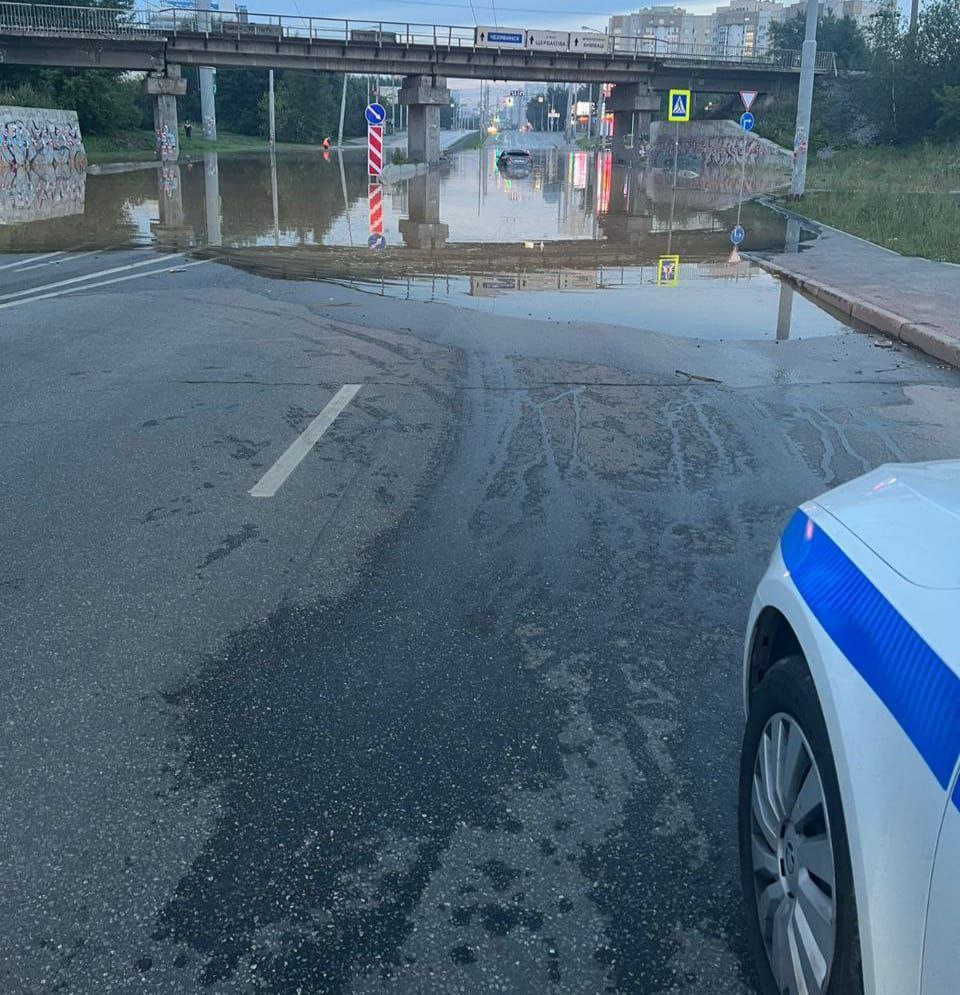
679	109
668	271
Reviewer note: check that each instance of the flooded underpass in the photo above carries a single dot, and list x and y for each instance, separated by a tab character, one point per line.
374	579
568	236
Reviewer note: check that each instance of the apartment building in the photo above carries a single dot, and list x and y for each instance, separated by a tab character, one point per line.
861	11
740	24
745	24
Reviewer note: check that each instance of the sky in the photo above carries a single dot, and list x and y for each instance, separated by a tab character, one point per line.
563	15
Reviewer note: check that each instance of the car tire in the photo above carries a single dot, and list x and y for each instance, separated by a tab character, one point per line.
793	908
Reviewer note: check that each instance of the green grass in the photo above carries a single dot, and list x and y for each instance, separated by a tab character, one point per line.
136	145
897	197
472	141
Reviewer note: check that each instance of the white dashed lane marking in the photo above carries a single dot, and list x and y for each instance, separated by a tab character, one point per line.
273	479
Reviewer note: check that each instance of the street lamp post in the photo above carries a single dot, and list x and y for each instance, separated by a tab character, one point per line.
540	102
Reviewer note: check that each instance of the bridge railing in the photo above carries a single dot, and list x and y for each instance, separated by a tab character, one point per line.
159	21
53	19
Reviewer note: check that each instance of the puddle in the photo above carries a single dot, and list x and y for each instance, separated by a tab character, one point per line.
571	237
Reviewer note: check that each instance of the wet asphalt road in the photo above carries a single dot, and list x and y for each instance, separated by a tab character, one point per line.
458	709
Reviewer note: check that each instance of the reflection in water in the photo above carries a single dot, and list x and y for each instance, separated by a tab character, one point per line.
574	238
785	309
211	197
302	199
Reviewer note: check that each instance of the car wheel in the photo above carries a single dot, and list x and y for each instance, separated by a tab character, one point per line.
794	858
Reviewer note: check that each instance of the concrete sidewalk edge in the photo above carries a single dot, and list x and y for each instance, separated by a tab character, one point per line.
924	337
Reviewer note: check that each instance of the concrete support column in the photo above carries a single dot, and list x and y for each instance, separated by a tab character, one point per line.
423	97
165	88
208	102
633	106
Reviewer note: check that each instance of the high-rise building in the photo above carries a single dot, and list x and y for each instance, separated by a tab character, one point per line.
744	25
665	24
860	11
741	25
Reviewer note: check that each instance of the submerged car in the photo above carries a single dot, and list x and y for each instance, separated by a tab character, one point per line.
515	162
849	804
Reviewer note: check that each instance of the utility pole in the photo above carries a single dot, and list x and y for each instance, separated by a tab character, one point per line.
801	138
343	107
914	16
273	114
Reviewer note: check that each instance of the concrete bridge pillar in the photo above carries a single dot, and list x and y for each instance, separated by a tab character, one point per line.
423	97
165	88
633	106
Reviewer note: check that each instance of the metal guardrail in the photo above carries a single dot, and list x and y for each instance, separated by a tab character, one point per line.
50	19
159	22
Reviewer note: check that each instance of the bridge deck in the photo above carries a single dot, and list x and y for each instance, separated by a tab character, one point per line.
148	39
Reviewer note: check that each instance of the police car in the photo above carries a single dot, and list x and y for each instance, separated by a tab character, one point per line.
849	805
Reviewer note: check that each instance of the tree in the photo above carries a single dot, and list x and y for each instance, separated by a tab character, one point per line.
104	100
538	114
948	101
840	35
914	73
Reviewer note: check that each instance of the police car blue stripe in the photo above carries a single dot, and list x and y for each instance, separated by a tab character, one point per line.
919	689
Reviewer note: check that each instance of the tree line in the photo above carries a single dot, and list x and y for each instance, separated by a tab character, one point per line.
905	80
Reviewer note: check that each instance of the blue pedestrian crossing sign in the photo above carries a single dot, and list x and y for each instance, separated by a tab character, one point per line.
377	242
746	121
375	114
737	235
679	109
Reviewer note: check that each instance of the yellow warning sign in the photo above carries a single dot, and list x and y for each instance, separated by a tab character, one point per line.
668	271
679	109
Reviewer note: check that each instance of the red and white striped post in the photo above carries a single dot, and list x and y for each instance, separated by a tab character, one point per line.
374	149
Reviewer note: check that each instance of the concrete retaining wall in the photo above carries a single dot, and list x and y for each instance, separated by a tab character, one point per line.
42	164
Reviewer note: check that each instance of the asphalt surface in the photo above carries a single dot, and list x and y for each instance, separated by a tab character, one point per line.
456	710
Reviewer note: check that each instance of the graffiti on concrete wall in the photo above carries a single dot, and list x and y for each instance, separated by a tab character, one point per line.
712	155
42	164
167	146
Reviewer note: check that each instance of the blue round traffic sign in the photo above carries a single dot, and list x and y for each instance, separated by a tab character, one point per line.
746	121
737	235
377	242
375	114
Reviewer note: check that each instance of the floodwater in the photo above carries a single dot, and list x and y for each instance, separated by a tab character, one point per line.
572	237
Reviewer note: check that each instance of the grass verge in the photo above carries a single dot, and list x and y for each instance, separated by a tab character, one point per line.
902	198
137	145
472	141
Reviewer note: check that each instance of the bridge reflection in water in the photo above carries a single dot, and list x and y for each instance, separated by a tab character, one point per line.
574	222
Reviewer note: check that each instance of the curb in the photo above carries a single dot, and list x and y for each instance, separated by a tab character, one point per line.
926	338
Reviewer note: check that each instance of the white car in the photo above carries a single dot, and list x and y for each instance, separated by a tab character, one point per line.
849	796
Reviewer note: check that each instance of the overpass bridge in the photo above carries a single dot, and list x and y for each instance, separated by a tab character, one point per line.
161	40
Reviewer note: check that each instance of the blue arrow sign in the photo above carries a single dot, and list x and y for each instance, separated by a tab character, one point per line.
746	121
377	242
737	235
375	114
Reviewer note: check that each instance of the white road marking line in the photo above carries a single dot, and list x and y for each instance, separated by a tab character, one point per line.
92	276
32	259
54	262
104	283
271	481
